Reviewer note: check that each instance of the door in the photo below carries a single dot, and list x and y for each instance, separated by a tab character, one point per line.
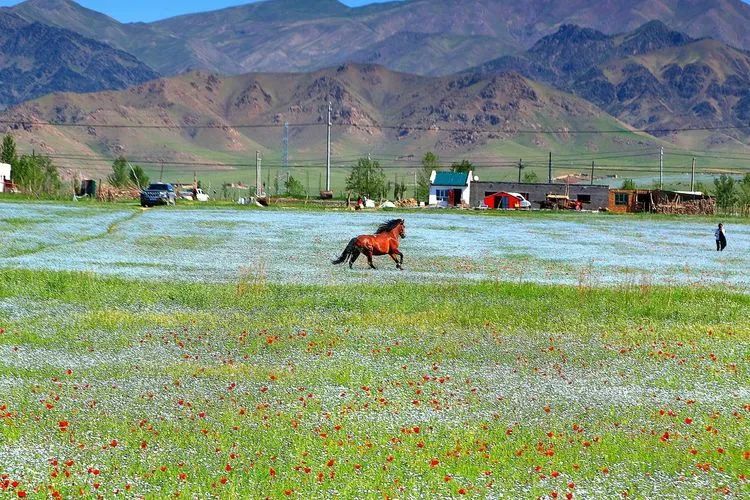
452	198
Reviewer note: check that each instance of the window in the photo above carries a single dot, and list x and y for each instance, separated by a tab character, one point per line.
621	198
584	198
525	196
441	195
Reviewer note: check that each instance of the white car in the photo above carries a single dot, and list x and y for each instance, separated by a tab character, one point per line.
194	194
524	202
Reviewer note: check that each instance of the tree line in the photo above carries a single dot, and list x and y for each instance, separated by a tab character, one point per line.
34	174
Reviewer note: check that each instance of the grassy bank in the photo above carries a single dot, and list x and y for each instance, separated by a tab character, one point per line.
258	389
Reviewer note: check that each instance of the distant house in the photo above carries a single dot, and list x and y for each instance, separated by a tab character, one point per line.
450	189
4	176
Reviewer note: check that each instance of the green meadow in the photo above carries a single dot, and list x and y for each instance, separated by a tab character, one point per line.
145	388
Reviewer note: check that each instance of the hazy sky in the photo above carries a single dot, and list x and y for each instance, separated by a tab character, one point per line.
151	10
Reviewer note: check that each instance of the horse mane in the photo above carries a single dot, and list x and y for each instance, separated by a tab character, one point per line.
388	226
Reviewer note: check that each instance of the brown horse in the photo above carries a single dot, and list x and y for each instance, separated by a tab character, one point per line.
383	242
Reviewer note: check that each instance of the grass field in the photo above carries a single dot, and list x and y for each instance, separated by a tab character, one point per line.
361	384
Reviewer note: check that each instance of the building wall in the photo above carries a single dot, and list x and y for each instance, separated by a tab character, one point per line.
621	193
537	193
638	200
465	195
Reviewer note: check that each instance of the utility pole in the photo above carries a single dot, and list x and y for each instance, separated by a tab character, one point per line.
258	185
592	172
520	167
550	167
661	168
692	176
285	146
328	149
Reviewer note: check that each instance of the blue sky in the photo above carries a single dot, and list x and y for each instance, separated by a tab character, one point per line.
152	10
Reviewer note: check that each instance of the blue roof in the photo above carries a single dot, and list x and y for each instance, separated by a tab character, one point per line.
451	179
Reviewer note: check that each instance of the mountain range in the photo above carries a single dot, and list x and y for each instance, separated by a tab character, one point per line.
462	77
653	78
37	59
212	120
432	37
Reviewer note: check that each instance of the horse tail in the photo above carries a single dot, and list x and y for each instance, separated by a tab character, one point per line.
347	252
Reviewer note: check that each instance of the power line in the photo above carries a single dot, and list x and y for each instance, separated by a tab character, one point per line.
152	126
423	128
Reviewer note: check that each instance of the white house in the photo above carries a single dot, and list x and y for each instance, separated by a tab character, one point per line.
450	189
4	175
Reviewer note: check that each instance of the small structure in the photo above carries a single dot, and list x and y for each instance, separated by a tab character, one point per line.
506	201
661	201
4	176
450	189
630	200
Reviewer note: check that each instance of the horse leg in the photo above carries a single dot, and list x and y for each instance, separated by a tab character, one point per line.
368	254
401	264
354	257
395	259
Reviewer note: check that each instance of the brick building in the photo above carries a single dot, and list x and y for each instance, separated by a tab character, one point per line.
591	197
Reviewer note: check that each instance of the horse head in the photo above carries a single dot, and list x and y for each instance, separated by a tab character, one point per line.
402	228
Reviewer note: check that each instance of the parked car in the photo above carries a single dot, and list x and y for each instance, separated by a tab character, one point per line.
158	194
193	195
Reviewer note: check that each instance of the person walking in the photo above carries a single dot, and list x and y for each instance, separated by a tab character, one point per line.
721	238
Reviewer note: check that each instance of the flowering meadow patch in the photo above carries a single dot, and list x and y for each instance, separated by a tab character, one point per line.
283	246
408	388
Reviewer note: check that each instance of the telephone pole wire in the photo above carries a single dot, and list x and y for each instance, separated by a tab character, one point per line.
692	176
661	168
258	185
328	149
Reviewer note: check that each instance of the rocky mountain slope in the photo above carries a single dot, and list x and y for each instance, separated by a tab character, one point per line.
435	37
207	118
653	78
37	59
